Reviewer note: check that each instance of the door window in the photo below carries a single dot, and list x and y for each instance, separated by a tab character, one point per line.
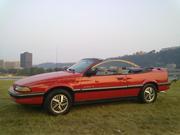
112	68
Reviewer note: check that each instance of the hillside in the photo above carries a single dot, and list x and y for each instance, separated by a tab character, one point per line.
145	59
153	58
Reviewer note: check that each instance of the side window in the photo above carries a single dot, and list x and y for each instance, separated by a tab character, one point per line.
112	68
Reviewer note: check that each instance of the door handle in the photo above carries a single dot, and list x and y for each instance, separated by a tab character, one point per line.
96	81
128	78
120	78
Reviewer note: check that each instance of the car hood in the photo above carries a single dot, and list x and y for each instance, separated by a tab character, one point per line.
44	77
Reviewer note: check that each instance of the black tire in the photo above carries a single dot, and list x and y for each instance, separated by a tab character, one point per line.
55	95
145	97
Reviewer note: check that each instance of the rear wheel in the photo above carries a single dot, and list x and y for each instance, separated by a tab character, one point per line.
148	94
58	102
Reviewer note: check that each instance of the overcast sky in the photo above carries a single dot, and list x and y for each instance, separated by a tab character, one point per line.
86	28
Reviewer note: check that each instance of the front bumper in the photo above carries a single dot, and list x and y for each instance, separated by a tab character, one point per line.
26	98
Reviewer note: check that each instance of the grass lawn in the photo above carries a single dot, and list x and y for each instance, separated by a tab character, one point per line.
117	118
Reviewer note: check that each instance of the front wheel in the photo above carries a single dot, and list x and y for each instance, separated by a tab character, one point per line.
148	93
58	102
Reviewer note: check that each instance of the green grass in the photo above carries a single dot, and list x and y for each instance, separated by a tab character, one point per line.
117	118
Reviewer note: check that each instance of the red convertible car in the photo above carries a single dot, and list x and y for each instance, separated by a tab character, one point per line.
90	80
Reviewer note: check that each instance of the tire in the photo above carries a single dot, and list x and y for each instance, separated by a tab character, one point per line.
148	93
58	102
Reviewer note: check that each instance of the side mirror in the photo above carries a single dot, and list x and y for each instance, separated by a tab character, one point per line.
91	72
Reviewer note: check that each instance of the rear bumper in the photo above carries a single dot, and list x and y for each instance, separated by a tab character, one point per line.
26	98
163	86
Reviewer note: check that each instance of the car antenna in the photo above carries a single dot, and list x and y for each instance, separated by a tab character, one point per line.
56	57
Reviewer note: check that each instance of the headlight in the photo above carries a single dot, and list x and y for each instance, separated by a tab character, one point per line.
22	89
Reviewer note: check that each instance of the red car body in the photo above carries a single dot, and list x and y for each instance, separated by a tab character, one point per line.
88	88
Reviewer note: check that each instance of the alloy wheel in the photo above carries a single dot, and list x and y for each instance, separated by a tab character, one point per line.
59	103
149	94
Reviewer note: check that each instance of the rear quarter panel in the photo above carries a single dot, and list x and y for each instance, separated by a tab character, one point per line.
158	76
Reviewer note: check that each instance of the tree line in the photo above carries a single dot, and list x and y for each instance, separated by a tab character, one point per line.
157	59
28	71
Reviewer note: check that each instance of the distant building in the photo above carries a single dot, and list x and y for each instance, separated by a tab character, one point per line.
26	60
171	66
12	64
1	63
140	53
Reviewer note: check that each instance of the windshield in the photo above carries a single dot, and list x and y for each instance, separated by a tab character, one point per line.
81	66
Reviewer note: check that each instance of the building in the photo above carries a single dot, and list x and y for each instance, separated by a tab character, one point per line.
11	64
140	53
171	66
1	63
26	60
174	73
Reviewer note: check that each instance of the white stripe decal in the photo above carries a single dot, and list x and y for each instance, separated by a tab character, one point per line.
108	88
165	83
117	87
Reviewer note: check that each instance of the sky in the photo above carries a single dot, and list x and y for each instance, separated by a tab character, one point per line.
76	29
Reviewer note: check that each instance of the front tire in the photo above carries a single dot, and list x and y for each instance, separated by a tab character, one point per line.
58	102
148	93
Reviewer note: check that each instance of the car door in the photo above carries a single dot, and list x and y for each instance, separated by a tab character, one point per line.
135	83
108	83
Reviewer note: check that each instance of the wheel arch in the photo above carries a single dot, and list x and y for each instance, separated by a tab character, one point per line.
142	89
68	89
152	82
